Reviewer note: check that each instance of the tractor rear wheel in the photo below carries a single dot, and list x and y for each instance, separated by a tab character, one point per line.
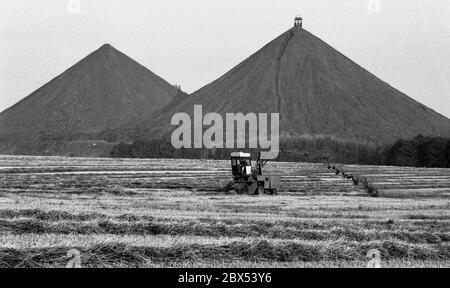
260	190
253	189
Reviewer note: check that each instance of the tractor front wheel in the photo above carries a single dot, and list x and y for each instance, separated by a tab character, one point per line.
237	187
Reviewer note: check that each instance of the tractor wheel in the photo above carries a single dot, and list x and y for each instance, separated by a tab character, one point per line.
260	190
273	192
228	187
253	189
237	187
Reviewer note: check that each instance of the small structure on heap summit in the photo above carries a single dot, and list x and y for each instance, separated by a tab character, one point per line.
298	22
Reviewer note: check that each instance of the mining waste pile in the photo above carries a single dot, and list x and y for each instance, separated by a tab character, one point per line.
105	90
108	97
315	89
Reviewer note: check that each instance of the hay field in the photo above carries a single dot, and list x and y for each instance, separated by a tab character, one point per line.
172	213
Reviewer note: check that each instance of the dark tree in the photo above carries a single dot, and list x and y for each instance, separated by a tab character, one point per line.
402	153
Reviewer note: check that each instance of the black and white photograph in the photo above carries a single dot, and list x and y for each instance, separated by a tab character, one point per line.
225	134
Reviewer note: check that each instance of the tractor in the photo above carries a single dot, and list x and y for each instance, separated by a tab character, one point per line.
250	179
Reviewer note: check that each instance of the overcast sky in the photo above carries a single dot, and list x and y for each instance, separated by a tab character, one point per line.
193	42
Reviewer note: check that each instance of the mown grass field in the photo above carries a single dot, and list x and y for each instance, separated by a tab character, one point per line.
173	213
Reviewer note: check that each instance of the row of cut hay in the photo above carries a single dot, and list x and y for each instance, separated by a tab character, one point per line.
414	223
55	215
357	180
103	181
221	230
120	255
417	193
419	222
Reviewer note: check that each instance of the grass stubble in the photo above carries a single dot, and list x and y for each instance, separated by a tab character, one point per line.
132	219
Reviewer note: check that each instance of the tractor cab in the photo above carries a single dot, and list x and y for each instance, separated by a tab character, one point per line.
241	165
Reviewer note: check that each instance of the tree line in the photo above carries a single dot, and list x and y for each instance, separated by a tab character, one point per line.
420	151
308	149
